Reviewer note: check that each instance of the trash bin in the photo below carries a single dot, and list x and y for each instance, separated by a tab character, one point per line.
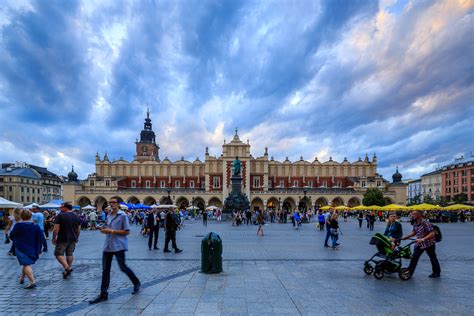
211	253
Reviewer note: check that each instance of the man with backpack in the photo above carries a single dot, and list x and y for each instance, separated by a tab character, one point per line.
425	241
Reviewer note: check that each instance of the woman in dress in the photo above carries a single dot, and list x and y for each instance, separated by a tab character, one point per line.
28	239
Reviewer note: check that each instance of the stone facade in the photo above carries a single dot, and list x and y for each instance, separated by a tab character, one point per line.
267	182
431	185
24	183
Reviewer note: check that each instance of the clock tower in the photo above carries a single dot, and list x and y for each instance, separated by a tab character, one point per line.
147	149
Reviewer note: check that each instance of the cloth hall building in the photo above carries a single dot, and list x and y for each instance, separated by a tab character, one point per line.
268	183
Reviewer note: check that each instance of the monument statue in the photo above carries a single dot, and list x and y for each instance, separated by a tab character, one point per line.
236	201
236	167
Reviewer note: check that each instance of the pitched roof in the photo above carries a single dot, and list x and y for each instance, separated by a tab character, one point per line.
20	172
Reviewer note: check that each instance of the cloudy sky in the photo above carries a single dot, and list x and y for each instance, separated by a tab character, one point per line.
303	77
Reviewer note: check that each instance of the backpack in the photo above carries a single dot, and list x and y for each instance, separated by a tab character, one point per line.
437	232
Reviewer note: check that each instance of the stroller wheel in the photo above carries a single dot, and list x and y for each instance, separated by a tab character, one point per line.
378	273
404	274
368	269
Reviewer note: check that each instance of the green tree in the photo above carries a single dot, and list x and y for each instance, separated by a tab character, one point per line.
373	196
460	198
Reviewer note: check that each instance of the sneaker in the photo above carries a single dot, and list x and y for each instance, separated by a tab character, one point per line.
327	246
166	250
136	288
178	251
156	248
434	275
101	298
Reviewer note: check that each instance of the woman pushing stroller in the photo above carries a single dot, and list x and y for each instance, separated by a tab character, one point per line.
394	229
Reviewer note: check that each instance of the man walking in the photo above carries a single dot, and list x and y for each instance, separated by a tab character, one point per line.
116	243
425	241
38	219
204	217
67	228
171	226
153	223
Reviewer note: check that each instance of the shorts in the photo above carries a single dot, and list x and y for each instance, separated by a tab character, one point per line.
65	247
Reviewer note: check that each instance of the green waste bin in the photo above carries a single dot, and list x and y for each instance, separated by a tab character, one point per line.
211	253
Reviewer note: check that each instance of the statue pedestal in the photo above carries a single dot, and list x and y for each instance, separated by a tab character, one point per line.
236	200
236	184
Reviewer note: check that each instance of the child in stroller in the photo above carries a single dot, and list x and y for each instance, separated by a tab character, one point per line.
387	259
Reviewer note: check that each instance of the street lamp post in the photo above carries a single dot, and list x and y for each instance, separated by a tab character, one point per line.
169	192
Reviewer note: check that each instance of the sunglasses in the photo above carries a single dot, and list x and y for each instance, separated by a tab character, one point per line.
112	202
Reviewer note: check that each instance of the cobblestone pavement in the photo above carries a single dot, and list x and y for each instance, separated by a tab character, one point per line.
286	272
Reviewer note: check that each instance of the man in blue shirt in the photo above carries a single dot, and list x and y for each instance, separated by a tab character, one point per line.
38	219
116	243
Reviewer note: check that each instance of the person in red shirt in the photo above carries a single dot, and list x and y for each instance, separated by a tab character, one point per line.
425	241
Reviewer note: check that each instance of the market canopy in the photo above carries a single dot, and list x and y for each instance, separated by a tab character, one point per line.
359	208
394	207
458	207
29	207
52	204
4	203
192	208
325	208
88	207
342	208
211	208
423	207
166	206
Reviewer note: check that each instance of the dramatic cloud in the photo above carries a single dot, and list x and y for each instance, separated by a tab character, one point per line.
310	78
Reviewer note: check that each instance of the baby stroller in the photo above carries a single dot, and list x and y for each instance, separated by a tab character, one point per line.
387	260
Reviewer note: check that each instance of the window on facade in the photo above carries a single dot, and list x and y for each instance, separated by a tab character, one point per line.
27	199
378	183
216	182
455	174
310	184
203	185
295	183
1	179
456	190
91	183
464	173
364	184
107	183
162	184
325	184
10	189
176	184
191	184
133	184
147	183
1	189
256	182
27	190
464	181
464	189
282	184
22	189
339	183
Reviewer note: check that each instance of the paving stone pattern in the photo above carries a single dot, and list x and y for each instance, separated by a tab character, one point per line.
286	272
